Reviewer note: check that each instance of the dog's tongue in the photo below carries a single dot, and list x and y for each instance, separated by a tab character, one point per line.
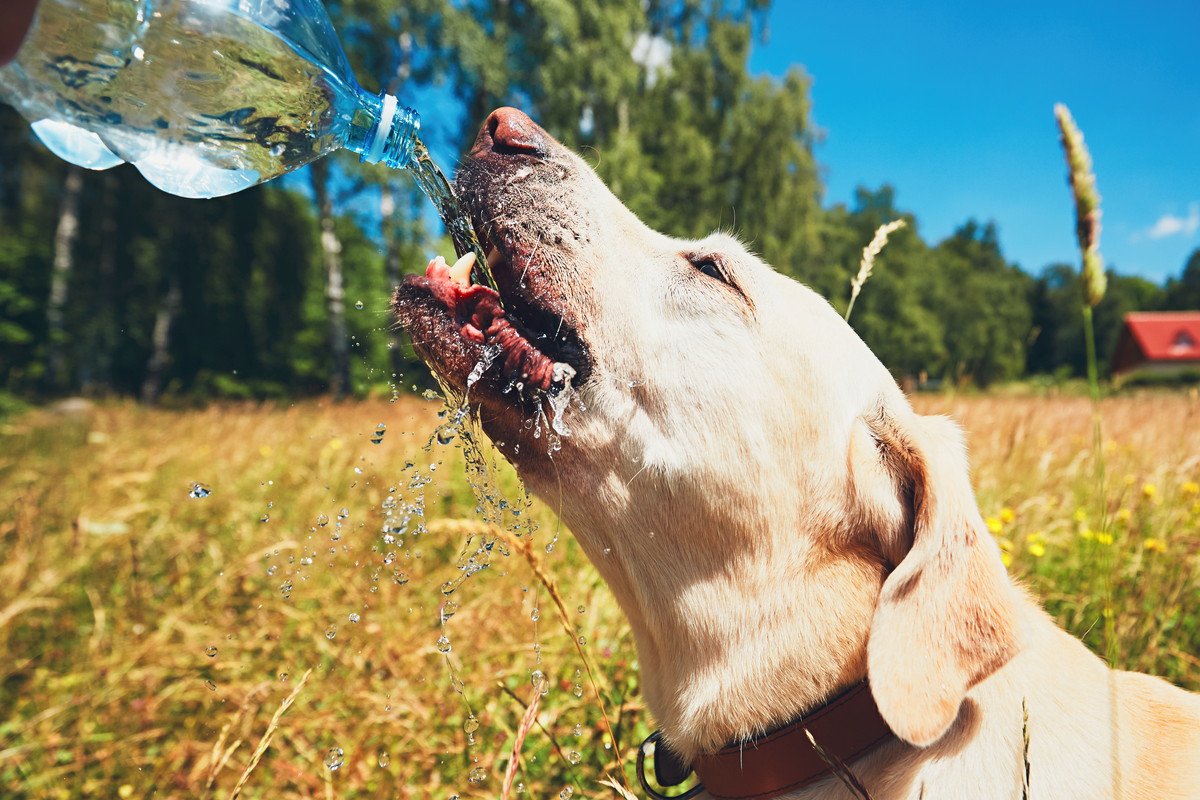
486	321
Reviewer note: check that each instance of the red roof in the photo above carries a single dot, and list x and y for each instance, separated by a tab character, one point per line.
1166	335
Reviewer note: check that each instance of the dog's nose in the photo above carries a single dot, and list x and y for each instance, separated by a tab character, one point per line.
510	131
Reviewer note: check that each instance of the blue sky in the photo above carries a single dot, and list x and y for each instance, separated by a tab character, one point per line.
952	103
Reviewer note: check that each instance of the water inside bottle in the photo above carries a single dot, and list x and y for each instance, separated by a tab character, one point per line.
156	90
160	99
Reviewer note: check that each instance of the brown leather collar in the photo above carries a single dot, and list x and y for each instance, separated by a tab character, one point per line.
845	728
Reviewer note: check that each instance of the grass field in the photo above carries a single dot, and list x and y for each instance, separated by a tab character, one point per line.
148	637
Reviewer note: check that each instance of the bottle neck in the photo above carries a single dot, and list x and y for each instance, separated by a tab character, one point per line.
382	130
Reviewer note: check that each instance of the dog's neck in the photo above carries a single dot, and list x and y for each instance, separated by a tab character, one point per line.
732	646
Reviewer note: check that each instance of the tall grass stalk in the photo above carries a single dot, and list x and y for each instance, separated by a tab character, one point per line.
867	264
1094	282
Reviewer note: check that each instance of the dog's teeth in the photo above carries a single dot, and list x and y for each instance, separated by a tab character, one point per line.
563	373
461	271
493	256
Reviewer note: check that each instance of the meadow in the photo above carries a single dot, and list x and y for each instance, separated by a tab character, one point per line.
287	601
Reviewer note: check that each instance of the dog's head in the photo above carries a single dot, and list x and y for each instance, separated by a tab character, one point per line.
738	464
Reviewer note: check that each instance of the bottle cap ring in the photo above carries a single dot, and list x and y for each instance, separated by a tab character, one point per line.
386	116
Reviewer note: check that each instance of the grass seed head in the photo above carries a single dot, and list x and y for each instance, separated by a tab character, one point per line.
1087	205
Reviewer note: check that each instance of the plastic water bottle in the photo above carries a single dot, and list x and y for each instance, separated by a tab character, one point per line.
204	97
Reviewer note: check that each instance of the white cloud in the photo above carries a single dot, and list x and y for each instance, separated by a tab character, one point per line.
1171	225
653	53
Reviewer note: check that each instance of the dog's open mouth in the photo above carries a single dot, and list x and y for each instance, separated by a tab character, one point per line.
522	348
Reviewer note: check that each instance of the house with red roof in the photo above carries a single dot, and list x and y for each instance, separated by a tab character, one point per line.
1159	341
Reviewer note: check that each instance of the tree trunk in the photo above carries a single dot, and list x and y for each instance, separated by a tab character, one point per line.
331	256
60	279
160	339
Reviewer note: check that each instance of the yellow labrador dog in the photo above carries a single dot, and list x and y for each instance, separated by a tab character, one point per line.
776	521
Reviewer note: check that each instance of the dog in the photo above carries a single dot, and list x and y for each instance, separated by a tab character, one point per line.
775	520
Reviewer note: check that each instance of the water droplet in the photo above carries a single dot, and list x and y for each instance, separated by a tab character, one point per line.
377	436
212	685
334	758
477	775
577	730
574	757
354	618
199	491
445	433
265	518
443	644
283	677
384	758
285	589
449	608
582	609
566	793
577	690
358	304
582	640
331	632
537	679
210	651
399	578
535	615
322	520
278	150
344	513
430	394
471	725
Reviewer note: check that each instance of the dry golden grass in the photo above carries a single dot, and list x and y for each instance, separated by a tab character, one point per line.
115	583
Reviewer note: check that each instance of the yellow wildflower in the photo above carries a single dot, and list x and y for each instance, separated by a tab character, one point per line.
1087	534
1006	558
1190	488
1080	515
1123	516
1007	515
126	791
265	451
1104	537
994	525
1149	490
1155	545
1036	542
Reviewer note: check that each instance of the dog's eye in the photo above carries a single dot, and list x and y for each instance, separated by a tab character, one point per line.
710	267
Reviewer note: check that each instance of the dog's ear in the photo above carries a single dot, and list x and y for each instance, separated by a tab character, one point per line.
946	616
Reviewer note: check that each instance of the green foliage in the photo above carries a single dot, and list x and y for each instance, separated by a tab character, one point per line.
656	95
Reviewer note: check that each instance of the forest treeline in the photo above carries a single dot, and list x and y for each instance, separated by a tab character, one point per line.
110	286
